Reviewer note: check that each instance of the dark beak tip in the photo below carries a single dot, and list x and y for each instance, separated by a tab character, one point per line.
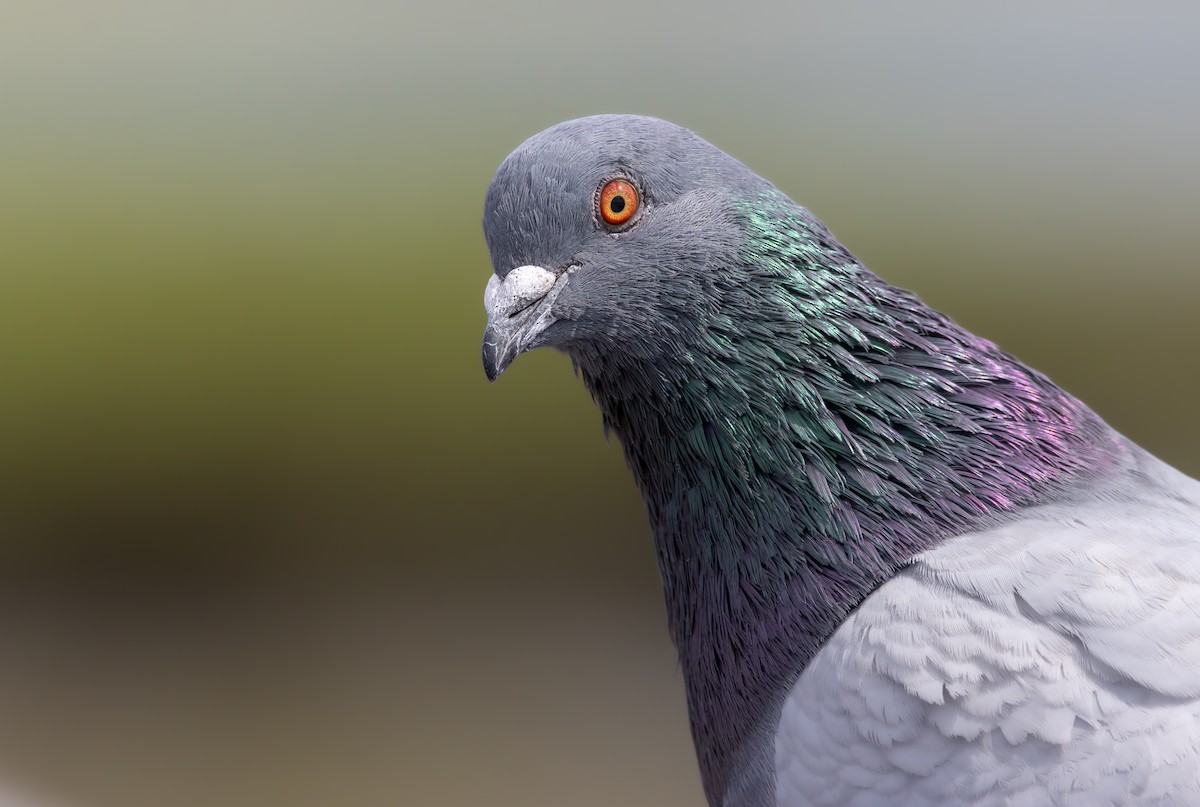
493	362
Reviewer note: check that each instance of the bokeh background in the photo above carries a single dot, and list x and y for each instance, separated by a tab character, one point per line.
267	536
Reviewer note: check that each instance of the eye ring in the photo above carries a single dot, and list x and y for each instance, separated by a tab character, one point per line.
618	201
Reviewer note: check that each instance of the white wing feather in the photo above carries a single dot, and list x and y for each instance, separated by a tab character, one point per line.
1052	661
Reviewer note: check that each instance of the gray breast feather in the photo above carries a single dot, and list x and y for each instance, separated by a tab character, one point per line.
1051	661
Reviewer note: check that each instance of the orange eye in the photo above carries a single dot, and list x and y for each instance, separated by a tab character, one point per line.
618	202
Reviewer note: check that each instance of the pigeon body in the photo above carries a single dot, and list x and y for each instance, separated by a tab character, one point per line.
1053	660
900	567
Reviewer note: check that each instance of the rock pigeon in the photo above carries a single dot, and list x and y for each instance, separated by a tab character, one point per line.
900	567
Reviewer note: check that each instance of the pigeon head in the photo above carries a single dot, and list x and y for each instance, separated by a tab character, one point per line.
602	231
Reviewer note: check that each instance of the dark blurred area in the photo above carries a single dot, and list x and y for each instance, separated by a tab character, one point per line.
268	537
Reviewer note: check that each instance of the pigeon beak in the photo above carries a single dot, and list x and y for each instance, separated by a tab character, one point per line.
518	310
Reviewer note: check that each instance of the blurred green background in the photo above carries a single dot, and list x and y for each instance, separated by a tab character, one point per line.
267	536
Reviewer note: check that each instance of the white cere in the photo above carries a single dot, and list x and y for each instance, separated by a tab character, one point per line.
520	287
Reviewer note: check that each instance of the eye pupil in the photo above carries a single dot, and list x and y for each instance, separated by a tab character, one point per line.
617	204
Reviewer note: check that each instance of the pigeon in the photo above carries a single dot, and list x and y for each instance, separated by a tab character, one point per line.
900	567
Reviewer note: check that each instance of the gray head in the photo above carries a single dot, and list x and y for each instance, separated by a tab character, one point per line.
582	269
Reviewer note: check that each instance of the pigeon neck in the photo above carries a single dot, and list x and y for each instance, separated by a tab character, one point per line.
788	476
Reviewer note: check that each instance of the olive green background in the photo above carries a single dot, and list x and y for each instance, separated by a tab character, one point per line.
268	537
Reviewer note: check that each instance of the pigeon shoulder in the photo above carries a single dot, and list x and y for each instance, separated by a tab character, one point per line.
1054	659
